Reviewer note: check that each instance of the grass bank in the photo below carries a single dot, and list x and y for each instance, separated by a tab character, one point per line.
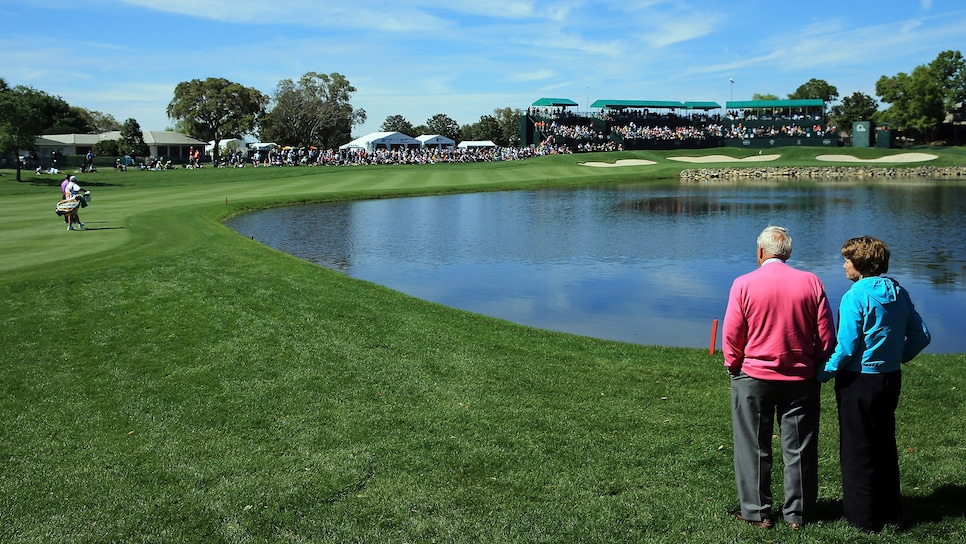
166	380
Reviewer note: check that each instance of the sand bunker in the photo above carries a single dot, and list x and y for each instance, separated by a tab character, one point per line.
725	158
620	162
902	157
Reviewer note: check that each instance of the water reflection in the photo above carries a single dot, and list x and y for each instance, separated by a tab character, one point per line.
636	263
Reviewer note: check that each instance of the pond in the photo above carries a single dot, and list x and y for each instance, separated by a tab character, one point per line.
638	263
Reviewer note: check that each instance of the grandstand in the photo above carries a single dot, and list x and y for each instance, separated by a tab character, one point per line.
778	123
660	124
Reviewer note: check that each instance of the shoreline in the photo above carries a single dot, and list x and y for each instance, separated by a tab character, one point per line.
723	175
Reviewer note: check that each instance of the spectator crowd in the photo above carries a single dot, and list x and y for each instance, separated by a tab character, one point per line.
310	156
560	132
581	133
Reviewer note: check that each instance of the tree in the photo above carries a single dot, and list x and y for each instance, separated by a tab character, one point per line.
949	68
107	148
471	132
916	101
69	120
217	108
443	125
398	123
509	121
99	122
758	96
24	114
184	127
132	139
919	101
487	128
315	111
816	88
490	129
502	128
858	107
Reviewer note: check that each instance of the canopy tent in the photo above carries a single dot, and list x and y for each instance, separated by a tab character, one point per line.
230	144
545	102
353	145
431	140
387	140
262	146
471	144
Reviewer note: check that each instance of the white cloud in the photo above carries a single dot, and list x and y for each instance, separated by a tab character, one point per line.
562	85
371	16
672	31
533	76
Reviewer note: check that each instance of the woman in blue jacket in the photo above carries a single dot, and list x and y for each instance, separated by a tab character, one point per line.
879	330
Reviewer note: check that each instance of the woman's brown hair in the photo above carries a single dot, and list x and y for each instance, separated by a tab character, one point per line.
869	256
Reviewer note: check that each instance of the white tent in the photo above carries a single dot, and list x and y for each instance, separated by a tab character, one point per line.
262	146
435	140
230	144
375	140
471	144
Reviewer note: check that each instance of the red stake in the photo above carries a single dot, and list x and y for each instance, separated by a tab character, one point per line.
714	334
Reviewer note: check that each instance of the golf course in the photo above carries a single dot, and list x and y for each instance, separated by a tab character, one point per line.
167	380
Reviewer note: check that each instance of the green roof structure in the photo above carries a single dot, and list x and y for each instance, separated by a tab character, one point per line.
544	102
702	105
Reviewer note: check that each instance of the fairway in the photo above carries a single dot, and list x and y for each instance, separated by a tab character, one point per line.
167	380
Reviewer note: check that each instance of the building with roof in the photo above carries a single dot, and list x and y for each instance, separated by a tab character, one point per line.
161	143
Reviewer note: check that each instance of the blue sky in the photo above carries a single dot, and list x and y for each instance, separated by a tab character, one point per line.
465	58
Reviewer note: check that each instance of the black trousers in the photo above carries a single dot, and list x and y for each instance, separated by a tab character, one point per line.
867	447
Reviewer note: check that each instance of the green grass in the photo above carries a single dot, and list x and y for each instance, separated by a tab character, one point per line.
166	380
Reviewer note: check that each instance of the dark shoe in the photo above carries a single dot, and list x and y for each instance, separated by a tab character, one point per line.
765	523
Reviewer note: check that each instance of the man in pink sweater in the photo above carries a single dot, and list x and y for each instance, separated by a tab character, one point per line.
778	330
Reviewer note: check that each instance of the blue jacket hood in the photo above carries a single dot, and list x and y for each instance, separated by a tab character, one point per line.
882	290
